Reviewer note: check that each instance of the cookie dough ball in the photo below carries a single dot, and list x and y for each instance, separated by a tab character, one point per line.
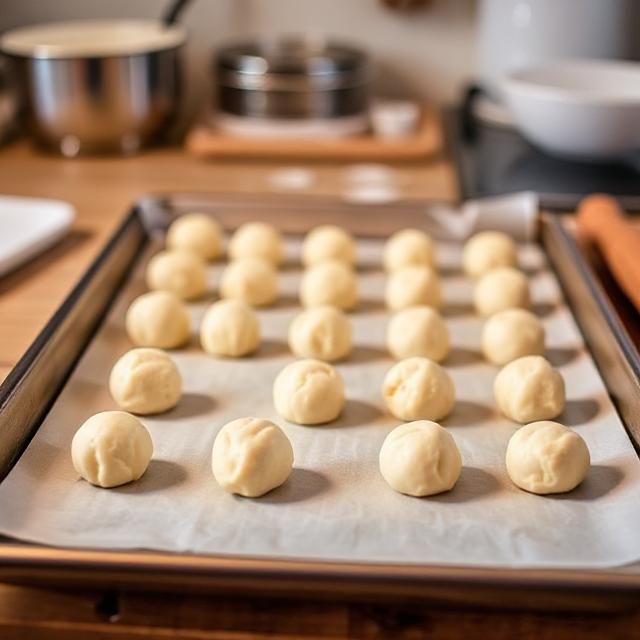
308	392
420	459
328	242
230	328
111	448
546	457
488	250
529	389
179	272
418	331
418	389
500	289
323	333
413	286
253	280
251	456
329	283
257	240
512	334
145	381
409	248
197	233
158	319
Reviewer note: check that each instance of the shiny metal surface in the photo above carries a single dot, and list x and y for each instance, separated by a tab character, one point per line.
292	77
98	104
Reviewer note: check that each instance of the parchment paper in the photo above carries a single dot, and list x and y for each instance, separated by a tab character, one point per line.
336	505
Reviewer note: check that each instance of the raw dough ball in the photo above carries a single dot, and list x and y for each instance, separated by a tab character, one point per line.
230	328
308	392
257	240
251	456
198	233
409	248
322	332
418	331
412	286
111	448
420	459
251	279
329	283
500	289
179	272
418	389
158	319
488	250
546	457
529	389
328	242
145	381
512	334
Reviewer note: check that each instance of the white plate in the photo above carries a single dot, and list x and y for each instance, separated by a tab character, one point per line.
28	226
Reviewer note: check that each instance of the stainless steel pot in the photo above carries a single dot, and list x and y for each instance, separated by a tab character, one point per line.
292	78
97	86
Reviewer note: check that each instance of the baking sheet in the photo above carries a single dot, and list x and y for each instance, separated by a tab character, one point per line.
335	505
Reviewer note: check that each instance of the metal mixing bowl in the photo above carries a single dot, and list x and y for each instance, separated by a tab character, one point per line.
96	86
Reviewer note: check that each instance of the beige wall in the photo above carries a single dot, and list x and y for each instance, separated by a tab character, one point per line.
428	53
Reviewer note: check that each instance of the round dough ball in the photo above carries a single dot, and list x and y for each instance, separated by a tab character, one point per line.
529	389
323	333
418	389
420	459
512	334
500	289
413	286
145	381
197	233
257	240
418	331
179	272
253	280
409	248
546	457
308	392
328	242
251	456
230	328
158	319
330	283
488	250
111	448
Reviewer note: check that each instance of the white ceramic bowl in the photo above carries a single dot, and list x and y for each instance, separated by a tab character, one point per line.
579	109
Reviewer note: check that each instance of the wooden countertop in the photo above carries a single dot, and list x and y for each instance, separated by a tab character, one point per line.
102	189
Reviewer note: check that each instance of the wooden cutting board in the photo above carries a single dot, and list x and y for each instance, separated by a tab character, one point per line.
205	141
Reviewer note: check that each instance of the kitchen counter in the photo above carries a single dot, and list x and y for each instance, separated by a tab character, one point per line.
102	190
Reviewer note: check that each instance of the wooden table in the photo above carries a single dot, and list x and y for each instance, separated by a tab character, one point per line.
101	190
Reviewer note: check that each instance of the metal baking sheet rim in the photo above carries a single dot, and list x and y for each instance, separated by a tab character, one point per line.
20	562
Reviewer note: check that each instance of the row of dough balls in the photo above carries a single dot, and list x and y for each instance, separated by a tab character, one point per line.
252	456
201	235
329	253
231	328
310	391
